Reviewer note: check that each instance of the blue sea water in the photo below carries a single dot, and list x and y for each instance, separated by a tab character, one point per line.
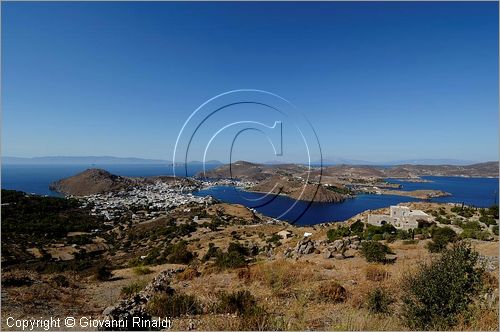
36	178
480	192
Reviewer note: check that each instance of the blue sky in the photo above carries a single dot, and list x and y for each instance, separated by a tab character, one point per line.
378	81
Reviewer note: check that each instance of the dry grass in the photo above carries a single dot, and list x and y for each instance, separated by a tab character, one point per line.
376	273
331	291
281	275
188	274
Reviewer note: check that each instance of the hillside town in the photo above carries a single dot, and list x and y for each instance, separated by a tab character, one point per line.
142	202
145	201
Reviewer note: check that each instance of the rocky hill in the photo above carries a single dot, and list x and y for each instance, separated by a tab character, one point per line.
245	170
91	181
296	189
258	172
488	169
98	181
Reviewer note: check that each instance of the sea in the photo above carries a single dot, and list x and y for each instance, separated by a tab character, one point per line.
479	192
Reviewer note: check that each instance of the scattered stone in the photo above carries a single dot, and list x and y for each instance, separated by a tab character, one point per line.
390	258
489	263
135	306
305	247
328	254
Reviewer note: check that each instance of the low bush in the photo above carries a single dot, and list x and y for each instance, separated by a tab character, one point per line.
438	292
440	239
179	253
212	252
379	301
230	260
60	281
103	273
332	291
473	230
463	211
175	305
188	274
371	231
357	228
338	233
133	288
142	270
234	257
374	251
252	317
240	302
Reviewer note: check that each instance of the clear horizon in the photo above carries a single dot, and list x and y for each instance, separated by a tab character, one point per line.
378	82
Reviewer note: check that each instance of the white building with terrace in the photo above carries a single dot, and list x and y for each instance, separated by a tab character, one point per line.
401	217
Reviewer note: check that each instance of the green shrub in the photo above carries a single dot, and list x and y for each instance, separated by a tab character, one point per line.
275	238
133	288
374	251
437	245
463	211
372	230
495	229
357	228
229	260
446	233
337	233
379	301
175	305
377	237
234	257
179	253
440	291
473	230
401	234
212	251
440	239
488	220
141	270
239	302
493	211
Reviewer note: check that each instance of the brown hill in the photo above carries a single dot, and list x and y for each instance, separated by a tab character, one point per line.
98	181
297	189
245	170
91	181
488	169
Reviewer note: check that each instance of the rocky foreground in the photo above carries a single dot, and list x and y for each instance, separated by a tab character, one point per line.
224	267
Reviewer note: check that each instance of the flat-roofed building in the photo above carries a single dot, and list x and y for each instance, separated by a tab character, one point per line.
401	217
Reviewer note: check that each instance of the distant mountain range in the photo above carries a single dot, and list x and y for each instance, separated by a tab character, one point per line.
259	172
131	160
98	160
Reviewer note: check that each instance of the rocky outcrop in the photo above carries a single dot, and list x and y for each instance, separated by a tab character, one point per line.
298	190
135	306
305	246
337	248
